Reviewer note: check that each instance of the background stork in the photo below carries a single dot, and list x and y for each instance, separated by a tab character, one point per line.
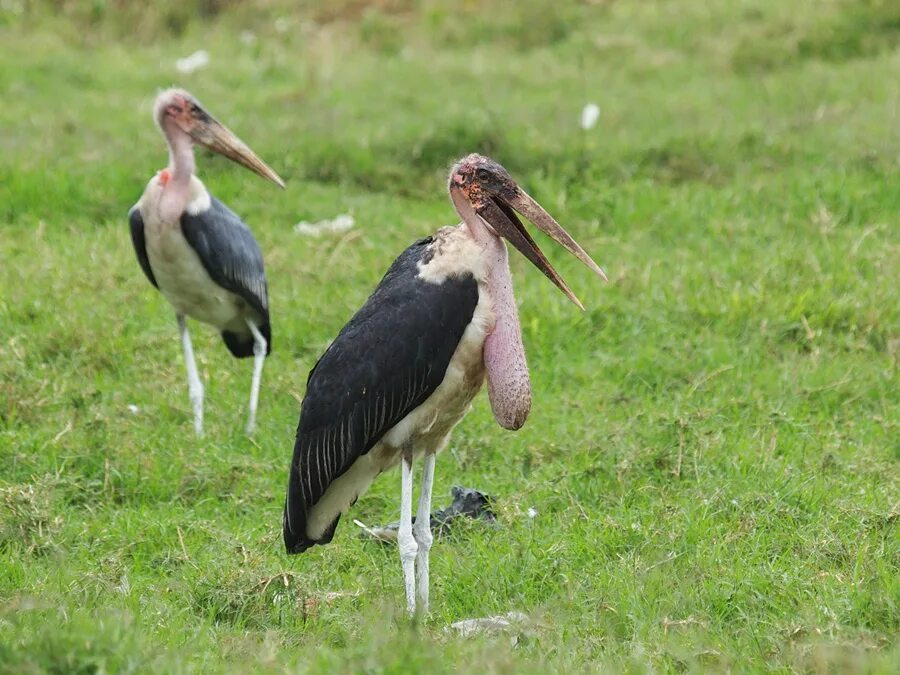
196	251
403	372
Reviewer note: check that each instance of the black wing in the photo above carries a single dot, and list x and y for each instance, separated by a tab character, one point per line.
233	259
140	244
229	253
384	363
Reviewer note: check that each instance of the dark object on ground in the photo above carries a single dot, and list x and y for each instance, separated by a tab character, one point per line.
467	503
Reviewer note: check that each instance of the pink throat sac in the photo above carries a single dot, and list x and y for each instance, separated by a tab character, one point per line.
509	384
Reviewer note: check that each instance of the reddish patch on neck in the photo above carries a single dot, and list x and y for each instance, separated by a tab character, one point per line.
164	176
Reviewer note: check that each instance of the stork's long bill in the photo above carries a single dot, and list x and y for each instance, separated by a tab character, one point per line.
482	188
220	139
206	130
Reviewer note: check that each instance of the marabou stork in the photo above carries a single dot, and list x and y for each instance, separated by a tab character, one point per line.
199	253
403	372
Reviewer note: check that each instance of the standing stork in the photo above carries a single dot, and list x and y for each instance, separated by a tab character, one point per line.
403	372
198	252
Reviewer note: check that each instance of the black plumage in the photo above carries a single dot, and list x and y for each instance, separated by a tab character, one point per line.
385	362
232	258
140	244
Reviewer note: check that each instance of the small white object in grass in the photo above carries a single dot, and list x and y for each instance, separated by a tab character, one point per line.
133	409
532	512
491	624
589	116
247	37
379	533
199	59
340	223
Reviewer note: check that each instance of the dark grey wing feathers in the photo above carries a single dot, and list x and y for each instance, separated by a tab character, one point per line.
385	362
228	252
140	243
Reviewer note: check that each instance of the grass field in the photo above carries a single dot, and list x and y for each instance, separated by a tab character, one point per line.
713	449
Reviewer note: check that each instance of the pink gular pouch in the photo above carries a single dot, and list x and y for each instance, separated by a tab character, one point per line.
509	386
487	198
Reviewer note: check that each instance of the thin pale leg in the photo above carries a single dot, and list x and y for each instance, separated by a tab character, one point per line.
405	539
259	357
195	387
422	532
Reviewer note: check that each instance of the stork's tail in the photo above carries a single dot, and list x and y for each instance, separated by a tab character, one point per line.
294	521
241	344
298	541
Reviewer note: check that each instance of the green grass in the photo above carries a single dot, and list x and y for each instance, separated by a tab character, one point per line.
713	449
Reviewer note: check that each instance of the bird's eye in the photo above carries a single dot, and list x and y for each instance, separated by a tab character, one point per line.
482	174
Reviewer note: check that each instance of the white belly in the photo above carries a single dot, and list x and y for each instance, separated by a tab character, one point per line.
185	283
426	429
180	275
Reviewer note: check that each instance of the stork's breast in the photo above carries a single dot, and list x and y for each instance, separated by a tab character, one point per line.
184	281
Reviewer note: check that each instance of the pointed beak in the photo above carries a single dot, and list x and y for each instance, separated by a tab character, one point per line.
213	135
499	214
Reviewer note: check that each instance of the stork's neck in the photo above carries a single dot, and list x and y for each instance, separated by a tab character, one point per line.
177	191
484	236
181	153
480	232
509	386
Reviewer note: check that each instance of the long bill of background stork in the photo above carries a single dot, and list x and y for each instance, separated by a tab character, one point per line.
196	251
403	372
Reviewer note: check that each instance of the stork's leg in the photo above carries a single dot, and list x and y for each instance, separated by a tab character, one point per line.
405	539
259	357
422	532
195	387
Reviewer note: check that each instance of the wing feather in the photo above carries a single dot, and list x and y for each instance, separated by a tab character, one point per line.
385	362
136	223
229	253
